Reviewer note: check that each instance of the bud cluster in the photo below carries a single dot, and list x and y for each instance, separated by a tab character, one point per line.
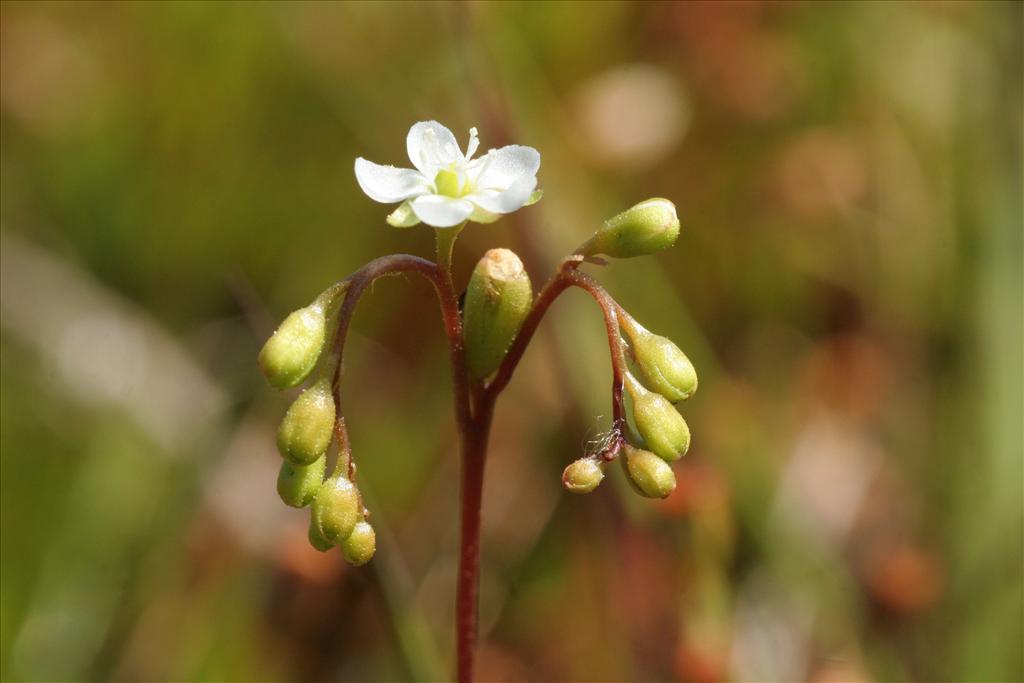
338	518
337	515
658	433
648	431
653	432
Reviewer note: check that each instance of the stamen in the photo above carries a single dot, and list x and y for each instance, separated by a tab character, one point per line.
473	144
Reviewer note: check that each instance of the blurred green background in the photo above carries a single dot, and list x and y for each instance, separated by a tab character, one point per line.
176	177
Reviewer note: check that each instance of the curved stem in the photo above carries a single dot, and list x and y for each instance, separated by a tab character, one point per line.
474	447
567	276
610	308
555	286
441	280
474	407
473	430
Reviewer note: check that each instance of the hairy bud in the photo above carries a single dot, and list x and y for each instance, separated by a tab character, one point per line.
360	545
644	229
298	484
650	475
498	299
335	509
292	351
663	366
305	432
582	476
662	428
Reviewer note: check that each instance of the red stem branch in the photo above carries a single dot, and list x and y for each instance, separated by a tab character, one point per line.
474	406
567	276
391	265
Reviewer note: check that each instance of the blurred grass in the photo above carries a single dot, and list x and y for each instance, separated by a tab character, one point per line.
848	283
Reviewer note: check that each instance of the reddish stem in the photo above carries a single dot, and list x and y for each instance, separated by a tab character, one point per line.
475	448
474	457
449	302
609	308
474	410
567	276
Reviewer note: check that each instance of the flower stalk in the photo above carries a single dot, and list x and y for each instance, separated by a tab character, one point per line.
486	343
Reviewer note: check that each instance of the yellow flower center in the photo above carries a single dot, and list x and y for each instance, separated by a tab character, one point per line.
446	182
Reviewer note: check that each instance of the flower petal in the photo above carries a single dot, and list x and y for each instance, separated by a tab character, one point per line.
507	201
431	146
387	184
440	211
499	168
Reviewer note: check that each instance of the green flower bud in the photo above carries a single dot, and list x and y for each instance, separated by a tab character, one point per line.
645	229
360	545
297	484
317	540
307	427
497	300
662	428
650	475
336	509
664	368
291	352
582	476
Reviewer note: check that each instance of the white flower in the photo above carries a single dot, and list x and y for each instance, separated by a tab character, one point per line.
449	187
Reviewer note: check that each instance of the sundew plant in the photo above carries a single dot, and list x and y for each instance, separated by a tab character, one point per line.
448	189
